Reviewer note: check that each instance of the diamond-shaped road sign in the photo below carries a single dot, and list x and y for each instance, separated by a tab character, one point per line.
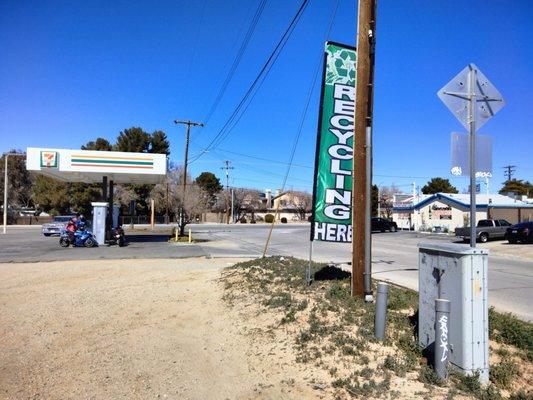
456	95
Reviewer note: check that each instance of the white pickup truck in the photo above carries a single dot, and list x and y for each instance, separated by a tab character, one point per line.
486	229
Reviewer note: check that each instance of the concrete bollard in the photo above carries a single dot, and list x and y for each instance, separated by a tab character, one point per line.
442	327
380	322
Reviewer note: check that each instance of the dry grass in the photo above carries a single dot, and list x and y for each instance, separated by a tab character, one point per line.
330	334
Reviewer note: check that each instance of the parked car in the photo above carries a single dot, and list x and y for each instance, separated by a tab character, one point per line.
55	227
521	232
486	229
382	224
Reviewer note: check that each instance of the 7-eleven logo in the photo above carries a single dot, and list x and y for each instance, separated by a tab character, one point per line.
49	159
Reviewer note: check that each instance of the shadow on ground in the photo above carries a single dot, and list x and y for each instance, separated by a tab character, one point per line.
146	238
331	273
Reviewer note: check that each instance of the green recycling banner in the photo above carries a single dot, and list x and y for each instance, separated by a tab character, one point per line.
332	189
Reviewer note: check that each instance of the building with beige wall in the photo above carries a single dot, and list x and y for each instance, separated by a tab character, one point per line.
443	212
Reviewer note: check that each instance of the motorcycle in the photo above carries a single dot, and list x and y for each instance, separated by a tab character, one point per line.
82	238
117	237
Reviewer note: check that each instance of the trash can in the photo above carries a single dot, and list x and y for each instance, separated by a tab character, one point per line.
457	273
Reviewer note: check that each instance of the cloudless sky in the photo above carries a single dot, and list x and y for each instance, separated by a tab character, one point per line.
74	71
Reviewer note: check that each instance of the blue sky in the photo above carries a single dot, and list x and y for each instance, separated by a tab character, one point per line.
71	72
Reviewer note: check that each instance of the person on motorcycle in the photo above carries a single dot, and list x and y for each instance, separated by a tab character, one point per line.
72	226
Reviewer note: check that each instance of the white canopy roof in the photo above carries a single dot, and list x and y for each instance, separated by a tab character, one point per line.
91	166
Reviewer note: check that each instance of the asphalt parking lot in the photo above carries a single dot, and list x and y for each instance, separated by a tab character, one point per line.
29	244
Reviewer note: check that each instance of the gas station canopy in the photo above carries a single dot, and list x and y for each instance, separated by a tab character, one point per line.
92	166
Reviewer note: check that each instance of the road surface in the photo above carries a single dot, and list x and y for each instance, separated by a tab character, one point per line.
394	255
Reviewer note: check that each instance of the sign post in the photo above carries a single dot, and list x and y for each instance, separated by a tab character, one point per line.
473	99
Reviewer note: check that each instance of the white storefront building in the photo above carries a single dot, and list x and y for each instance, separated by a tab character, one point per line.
443	212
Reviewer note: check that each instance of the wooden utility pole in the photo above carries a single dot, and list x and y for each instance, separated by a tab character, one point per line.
362	162
188	124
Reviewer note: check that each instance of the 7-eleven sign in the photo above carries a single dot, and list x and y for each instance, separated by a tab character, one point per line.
49	159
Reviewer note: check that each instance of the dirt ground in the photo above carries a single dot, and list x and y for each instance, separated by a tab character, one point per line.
135	329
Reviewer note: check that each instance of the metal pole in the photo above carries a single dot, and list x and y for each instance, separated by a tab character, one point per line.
362	120
380	321
368	219
232	216
5	194
379	201
308	272
152	213
442	327
167	218
227	168
472	120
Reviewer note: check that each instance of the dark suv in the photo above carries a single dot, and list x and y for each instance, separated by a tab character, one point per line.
521	232
382	224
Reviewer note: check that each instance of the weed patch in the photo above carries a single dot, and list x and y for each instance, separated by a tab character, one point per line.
331	331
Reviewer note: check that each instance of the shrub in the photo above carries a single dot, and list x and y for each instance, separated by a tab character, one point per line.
310	218
508	329
242	220
428	375
252	221
269	218
503	374
283	220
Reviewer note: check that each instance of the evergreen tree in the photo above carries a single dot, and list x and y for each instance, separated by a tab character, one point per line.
439	185
99	144
159	143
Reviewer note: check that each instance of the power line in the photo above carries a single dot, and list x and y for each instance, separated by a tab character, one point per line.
256	85
237	59
264	159
271	60
302	120
254	168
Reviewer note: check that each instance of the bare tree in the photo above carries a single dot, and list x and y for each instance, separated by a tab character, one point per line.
245	201
124	195
301	202
386	196
168	195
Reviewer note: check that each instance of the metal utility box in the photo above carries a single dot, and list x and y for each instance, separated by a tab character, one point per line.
99	219
457	273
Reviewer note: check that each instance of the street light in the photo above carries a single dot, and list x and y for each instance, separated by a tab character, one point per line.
6	155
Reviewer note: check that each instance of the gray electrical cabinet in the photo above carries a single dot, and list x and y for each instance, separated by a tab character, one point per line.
457	273
99	220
